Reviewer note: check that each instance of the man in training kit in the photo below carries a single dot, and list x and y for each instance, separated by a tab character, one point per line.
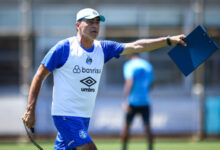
77	64
139	76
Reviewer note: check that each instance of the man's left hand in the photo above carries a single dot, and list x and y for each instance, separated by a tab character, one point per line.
178	39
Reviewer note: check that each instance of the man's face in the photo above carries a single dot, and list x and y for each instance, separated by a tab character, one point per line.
89	27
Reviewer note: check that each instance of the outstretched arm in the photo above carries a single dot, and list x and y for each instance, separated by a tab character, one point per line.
144	45
40	76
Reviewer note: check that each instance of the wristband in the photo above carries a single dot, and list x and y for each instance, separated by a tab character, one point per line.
168	41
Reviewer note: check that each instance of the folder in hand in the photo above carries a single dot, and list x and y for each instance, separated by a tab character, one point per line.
199	47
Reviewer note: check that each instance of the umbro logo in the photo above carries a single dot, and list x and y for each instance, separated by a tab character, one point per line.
89	81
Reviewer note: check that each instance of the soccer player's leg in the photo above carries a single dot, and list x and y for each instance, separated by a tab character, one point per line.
88	146
145	113
72	133
125	133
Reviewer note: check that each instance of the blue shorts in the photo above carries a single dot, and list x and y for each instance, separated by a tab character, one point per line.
72	132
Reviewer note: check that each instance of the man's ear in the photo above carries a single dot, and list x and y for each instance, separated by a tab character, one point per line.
77	24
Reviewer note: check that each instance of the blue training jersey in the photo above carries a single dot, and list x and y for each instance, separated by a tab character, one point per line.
142	73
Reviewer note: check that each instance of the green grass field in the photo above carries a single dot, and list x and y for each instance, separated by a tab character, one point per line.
133	145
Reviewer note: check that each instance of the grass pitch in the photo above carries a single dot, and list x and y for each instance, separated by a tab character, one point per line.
133	145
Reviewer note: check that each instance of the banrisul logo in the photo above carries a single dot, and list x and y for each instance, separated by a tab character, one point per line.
89	81
77	69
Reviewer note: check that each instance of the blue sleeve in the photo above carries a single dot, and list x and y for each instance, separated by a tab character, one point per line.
57	56
128	71
111	49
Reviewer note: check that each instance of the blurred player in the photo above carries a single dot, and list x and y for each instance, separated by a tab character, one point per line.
77	64
139	76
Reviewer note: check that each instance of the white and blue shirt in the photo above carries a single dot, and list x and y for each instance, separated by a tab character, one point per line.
76	73
142	73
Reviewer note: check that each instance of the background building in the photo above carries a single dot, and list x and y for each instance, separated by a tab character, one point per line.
29	28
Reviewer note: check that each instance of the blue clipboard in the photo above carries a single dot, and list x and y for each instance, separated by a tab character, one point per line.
199	48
